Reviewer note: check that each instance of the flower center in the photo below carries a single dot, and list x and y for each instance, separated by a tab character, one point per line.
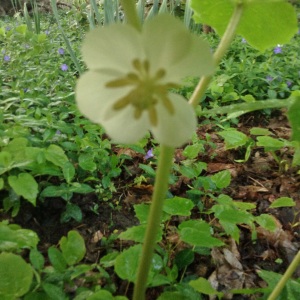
146	91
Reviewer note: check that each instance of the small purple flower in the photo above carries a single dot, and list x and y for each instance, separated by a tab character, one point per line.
7	28
58	132
244	41
269	78
6	58
289	83
149	154
277	49
26	46
61	51
64	67
47	32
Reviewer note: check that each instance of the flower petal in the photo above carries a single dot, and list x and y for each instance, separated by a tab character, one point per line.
174	130
93	97
165	40
113	47
123	128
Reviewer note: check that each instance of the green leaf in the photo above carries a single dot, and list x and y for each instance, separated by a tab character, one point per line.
72	247
72	212
16	276
6	162
36	259
109	259
203	286
222	179
54	291
137	234
86	162
269	143
1	184
178	206
294	116
56	155
266	221
126	264
192	151
24	185
263	24
149	171
173	296
101	295
184	258
260	131
283	202
57	260
68	171
233	138
198	233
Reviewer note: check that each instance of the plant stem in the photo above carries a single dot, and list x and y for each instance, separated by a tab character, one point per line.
129	7
220	52
160	188
288	273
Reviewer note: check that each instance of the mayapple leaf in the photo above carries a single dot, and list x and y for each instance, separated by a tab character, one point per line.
264	23
16	276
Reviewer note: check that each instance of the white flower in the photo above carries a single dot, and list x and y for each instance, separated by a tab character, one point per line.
127	86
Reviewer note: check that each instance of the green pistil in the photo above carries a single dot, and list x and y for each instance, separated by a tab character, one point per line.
146	91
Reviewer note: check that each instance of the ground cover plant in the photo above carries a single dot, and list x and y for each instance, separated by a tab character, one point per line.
77	208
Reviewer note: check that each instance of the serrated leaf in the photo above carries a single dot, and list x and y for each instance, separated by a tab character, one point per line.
283	202
192	151
16	276
269	143
266	221
36	259
198	233
137	234
72	247
184	258
222	179
56	155
54	291
263	24
233	138
24	185
178	206
203	286
68	171
86	162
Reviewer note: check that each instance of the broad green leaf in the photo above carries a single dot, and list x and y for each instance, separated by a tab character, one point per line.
6	162
109	259
222	179
137	234
72	211
203	286
126	264
57	260
263	24
16	276
294	117
192	151
266	221
101	295
173	296
269	143
36	259
72	247
198	233
86	162
231	229
233	138
1	184
56	155
260	131
184	258
142	212
283	202
178	206
24	185
68	171
54	291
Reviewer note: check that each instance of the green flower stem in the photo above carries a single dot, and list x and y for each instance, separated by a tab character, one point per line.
287	275
220	52
129	7
154	220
